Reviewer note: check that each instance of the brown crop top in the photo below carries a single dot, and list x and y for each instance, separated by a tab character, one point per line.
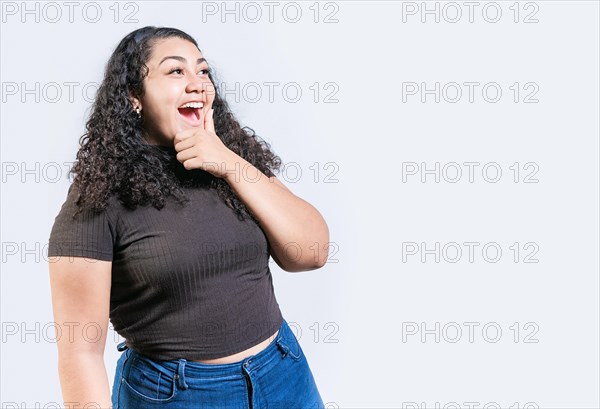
188	281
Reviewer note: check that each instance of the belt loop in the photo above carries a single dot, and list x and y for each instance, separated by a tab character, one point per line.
122	346
180	375
283	348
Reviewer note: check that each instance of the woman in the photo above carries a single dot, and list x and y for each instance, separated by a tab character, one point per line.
168	227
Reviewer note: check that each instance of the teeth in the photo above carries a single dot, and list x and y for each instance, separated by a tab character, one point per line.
192	105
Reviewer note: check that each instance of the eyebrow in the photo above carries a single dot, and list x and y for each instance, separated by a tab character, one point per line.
183	60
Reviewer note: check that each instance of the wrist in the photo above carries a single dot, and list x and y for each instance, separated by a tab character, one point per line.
233	167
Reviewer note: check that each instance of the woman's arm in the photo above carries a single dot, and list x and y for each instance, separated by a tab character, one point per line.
297	233
80	302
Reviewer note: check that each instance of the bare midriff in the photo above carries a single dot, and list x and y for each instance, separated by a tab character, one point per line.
242	354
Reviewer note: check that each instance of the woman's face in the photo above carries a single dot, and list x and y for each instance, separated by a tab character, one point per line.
177	75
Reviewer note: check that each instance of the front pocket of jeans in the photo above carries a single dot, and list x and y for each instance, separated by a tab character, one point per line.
148	383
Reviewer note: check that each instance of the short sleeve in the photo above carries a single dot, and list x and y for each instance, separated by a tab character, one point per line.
89	234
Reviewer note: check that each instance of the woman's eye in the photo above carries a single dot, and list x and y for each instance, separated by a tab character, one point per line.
203	72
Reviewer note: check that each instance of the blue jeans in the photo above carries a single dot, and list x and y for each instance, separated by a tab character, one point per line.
278	377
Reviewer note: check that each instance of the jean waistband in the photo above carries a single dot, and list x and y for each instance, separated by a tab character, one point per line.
183	368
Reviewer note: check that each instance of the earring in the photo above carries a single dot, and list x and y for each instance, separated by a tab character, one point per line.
138	112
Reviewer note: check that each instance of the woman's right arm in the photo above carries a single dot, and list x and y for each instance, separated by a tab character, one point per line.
80	302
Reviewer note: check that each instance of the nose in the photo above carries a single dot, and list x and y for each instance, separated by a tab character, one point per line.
198	84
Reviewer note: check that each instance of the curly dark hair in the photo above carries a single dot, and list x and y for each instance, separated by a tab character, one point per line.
115	158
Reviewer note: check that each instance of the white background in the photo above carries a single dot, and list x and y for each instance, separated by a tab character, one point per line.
365	137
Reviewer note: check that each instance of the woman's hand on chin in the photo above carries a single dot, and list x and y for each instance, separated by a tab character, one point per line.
201	148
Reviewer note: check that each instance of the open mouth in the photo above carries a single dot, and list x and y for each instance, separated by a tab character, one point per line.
191	113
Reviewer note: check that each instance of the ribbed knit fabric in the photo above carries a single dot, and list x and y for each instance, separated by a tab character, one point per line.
188	281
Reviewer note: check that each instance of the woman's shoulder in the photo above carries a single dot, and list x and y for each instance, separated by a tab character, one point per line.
83	209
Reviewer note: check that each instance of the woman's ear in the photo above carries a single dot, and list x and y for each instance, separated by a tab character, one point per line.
135	103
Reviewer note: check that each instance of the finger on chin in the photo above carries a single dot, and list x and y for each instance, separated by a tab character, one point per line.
202	119
209	124
181	136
